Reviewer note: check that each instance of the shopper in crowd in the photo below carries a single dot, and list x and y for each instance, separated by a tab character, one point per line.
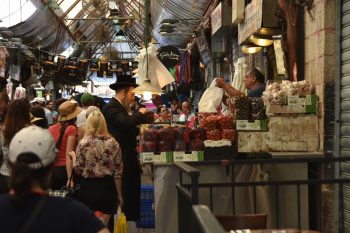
163	114
122	126
186	116
48	111
99	102
254	81
38	101
28	208
86	100
4	102
38	117
99	162
57	104
81	130
136	105
65	134
175	106
18	117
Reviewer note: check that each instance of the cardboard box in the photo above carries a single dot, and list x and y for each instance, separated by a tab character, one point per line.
257	125
151	157
192	156
296	104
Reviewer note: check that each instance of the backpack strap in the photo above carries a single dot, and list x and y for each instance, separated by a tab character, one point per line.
33	216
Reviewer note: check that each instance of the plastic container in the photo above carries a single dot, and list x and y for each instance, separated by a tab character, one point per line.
147	193
147	215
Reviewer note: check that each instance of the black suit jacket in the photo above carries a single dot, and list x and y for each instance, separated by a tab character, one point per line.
121	125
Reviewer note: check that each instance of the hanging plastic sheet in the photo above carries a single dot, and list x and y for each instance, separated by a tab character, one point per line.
157	72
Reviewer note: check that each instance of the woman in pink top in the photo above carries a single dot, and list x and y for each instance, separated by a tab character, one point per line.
65	135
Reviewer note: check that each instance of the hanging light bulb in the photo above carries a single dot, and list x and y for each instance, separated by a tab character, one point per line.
261	41
147	95
250	49
147	86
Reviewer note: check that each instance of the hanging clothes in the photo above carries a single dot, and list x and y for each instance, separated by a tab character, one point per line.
241	68
3	55
15	72
9	88
20	92
188	67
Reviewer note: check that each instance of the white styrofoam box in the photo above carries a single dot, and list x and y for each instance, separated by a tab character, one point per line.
286	133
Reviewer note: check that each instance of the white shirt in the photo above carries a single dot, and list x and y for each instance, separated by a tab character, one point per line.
81	118
48	115
182	118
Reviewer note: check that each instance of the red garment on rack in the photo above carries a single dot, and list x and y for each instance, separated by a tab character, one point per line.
177	73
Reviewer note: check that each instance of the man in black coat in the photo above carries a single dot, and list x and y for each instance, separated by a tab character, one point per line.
122	126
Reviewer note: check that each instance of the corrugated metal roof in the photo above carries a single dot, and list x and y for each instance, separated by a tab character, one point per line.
89	23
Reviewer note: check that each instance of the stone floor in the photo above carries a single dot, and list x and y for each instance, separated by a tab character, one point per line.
145	230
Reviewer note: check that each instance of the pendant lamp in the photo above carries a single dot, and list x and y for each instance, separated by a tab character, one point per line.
146	88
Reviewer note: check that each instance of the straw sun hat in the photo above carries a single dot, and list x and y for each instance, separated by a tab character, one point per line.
68	111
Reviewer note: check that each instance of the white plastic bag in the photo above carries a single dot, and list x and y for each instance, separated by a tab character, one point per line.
211	98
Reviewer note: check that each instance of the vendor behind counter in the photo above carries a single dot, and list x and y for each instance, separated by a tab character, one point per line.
254	81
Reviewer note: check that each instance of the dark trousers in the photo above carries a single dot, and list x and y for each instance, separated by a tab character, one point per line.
4	186
59	178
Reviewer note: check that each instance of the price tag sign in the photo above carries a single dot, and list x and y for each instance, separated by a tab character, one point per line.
293	100
147	157
179	156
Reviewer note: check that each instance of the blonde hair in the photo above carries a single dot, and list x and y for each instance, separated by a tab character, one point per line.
96	123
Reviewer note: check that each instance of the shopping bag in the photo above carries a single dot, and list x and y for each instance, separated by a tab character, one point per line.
211	98
120	225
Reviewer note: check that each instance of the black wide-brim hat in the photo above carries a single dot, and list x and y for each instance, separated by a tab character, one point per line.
123	81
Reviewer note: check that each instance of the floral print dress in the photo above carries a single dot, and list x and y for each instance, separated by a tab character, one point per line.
98	156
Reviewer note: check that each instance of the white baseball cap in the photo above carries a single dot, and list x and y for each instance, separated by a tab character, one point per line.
36	140
38	100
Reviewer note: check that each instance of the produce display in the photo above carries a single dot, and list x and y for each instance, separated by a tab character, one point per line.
168	134
214	135
258	109
250	109
243	108
225	122
164	146
196	145
276	93
228	134
155	138
160	138
209	123
150	135
198	133
147	146
180	145
217	127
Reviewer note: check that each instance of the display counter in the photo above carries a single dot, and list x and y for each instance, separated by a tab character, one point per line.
167	175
